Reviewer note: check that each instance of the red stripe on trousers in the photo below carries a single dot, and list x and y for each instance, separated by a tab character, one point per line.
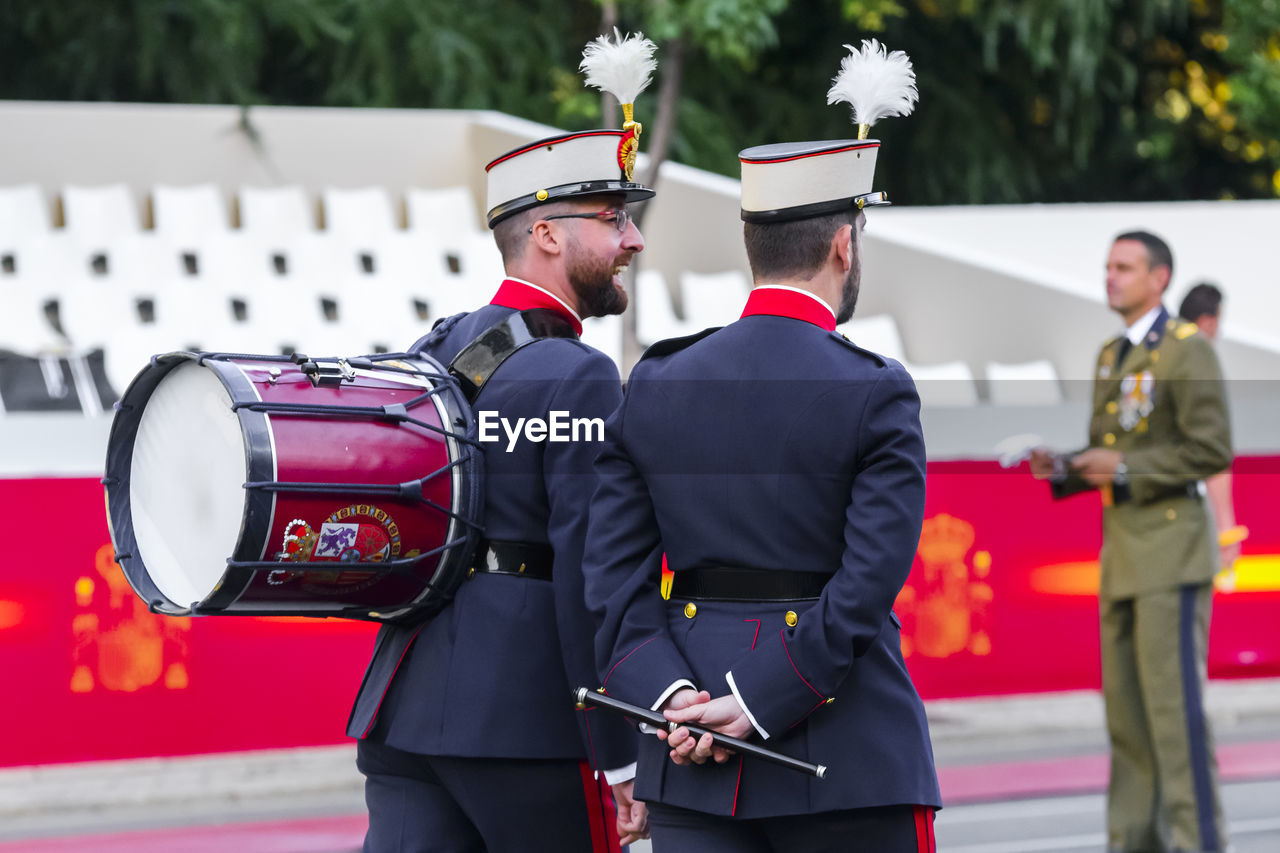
922	830
602	812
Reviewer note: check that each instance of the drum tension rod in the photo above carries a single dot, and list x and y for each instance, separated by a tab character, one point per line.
327	372
356	411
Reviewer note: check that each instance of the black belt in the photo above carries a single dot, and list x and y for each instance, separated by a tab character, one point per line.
526	559
1123	494
730	583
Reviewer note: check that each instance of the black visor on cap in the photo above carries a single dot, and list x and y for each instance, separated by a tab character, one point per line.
630	191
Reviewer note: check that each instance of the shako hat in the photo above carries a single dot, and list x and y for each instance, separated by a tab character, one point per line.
800	180
590	161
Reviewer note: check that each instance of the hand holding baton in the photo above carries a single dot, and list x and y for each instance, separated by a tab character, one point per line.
584	697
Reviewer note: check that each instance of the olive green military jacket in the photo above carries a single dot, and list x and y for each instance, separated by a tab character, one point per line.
1165	409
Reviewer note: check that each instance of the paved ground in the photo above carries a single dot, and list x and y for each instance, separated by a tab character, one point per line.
1019	775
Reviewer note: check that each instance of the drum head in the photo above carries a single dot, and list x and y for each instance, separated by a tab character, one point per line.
186	489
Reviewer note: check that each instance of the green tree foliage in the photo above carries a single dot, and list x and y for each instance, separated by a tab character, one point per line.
1020	100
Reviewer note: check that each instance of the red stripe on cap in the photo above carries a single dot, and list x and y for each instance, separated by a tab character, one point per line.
555	140
810	154
789	303
522	297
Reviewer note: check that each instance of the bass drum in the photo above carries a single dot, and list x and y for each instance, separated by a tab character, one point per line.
281	485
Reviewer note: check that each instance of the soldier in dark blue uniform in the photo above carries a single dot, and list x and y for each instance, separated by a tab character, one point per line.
468	736
780	468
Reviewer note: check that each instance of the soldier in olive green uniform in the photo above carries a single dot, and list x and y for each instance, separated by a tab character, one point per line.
1159	427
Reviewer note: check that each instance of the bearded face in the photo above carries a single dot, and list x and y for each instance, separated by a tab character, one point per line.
595	274
852	282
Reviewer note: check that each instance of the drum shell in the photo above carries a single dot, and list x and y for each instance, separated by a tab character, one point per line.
307	505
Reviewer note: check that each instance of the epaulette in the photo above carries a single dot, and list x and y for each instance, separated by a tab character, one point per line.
874	356
439	331
1186	330
670	345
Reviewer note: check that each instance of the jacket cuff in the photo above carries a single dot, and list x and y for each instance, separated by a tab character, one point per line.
768	682
728	676
666	694
652	669
620	775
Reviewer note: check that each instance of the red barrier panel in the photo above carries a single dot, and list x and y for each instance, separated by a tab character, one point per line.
1003	594
1002	599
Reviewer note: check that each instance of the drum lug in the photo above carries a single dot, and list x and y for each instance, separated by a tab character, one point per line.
327	371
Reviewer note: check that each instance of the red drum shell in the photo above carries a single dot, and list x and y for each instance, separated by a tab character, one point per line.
360	495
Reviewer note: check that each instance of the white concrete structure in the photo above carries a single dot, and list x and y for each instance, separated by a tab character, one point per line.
334	228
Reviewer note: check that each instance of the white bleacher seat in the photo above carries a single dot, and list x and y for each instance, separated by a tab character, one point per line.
285	312
605	334
656	319
102	226
99	217
33	257
713	300
480	261
947	384
407	288
409	261
24	216
447	214
24	327
97	309
274	216
189	216
316	262
1032	383
358	217
877	333
128	354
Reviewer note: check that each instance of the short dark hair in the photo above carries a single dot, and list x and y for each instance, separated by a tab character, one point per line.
1158	252
779	250
1201	300
512	233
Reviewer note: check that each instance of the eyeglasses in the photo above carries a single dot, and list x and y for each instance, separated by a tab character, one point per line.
618	217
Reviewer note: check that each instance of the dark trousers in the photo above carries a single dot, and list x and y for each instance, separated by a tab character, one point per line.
887	829
432	804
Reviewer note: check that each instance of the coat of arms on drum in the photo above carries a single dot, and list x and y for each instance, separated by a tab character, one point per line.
359	533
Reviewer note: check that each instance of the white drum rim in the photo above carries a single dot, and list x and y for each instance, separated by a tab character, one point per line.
187	499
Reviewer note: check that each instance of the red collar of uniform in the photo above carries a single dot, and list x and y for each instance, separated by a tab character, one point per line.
522	295
790	302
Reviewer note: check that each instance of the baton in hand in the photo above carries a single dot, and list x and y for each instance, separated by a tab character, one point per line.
584	697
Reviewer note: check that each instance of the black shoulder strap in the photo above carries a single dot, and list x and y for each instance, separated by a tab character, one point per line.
478	360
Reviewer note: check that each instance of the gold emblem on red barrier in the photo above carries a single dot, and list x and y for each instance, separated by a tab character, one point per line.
944	602
117	644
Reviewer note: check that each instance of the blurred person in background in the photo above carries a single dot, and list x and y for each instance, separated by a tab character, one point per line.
1202	305
1159	428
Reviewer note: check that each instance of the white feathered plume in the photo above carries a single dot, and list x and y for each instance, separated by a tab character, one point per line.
623	67
876	83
